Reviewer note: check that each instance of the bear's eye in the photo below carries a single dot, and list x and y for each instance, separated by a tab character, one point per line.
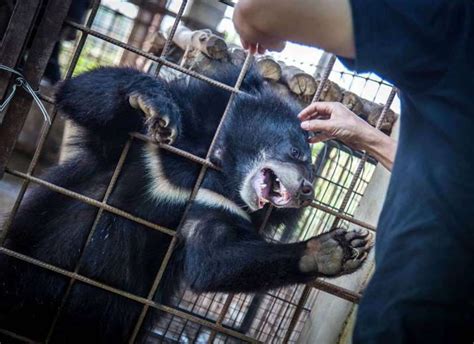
295	153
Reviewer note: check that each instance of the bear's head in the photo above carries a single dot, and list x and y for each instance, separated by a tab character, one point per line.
263	151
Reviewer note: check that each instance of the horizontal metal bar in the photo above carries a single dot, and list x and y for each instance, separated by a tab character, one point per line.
153	57
91	201
343	216
176	151
125	294
335	290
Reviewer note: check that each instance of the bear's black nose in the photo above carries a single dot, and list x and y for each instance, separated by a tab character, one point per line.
306	191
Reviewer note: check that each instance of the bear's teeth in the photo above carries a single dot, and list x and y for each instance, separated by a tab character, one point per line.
263	186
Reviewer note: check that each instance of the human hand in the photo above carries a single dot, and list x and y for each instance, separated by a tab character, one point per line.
331	120
268	24
334	121
248	25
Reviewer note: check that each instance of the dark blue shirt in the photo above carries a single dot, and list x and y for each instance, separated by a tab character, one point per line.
424	281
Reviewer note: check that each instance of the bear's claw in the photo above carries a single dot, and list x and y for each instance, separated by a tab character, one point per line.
337	252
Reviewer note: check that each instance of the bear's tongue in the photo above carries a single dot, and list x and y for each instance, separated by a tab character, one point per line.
269	189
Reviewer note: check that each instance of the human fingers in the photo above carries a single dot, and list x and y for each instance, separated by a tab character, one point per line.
316	125
317	109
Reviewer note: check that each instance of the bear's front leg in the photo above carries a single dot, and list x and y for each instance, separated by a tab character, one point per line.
162	116
225	256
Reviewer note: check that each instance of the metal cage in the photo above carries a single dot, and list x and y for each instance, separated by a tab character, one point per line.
276	316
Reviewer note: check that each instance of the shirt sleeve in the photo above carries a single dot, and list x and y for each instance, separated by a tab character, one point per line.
409	42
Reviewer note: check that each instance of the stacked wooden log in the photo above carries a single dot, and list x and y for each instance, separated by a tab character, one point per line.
302	86
202	50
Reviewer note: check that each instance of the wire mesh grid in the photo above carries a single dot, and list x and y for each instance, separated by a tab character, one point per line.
276	316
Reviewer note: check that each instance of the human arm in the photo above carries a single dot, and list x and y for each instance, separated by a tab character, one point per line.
269	23
334	121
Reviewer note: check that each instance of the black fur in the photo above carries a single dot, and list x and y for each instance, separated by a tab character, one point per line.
224	252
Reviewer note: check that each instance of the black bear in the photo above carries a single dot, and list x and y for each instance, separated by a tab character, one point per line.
264	158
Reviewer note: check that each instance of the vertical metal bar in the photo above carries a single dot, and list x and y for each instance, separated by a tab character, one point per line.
196	187
174	241
47	35
307	289
299	309
108	192
221	316
230	297
46	128
172	32
364	158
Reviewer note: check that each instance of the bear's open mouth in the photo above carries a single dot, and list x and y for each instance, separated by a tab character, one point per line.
270	189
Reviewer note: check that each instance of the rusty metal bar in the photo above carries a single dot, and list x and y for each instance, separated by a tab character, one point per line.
230	297
91	201
343	216
16	35
47	35
176	151
317	95
46	128
153	57
154	287
105	199
245	67
363	160
307	289
205	162
196	187
125	294
299	309
335	290
221	317
172	32
324	78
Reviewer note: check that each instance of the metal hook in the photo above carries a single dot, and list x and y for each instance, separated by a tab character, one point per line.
22	82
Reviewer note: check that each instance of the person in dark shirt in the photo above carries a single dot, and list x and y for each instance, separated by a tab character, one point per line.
422	290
